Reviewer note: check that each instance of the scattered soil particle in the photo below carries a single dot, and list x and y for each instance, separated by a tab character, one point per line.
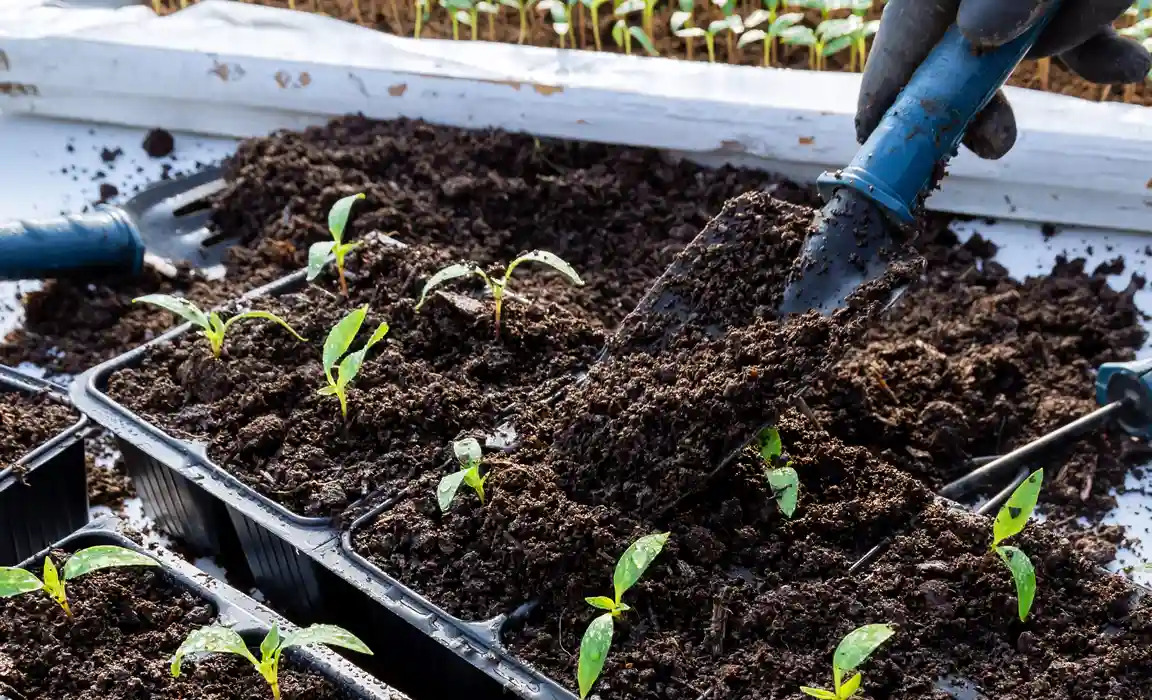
26	422
158	143
107	191
127	624
110	156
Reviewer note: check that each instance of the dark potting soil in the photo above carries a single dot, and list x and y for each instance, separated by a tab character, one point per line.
158	143
974	363
127	624
437	373
28	421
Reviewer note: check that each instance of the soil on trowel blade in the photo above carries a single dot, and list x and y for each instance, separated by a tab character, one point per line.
28	421
618	215
118	645
973	363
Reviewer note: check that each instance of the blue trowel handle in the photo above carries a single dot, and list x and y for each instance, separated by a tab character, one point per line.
100	242
924	126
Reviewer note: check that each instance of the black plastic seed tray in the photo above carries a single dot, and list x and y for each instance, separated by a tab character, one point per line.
304	565
44	495
234	609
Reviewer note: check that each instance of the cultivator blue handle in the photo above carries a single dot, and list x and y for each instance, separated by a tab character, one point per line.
924	126
1130	383
105	240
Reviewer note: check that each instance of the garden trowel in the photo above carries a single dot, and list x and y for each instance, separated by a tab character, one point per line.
166	222
854	244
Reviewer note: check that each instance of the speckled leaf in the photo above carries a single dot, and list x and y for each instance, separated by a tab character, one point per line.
181	307
317	257
549	259
467	451
211	640
350	365
636	560
103	556
270	644
340	339
593	651
325	634
1013	516
1023	575
447	274
338	216
14	582
770	446
448	487
855	648
785	484
601	601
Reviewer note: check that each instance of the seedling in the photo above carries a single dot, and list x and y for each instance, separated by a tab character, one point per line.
215	639
468	453
827	7
521	7
709	34
768	36
735	24
498	287
421	17
211	327
14	582
339	340
594	7
623	34
561	23
852	651
782	478
682	19
1011	519
337	221
598	637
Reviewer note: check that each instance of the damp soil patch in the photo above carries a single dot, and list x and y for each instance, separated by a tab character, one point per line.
28	421
119	643
438	372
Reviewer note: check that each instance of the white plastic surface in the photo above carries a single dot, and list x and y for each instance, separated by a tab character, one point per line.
230	68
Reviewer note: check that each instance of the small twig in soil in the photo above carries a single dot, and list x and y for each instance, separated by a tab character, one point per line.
718	628
884	385
560	638
1086	490
807	411
694	689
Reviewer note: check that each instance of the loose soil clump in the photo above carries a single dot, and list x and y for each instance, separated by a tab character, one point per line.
118	645
28	421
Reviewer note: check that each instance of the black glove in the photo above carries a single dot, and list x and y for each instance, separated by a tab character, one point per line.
1080	36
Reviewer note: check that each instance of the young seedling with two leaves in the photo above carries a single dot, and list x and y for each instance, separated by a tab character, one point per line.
210	324
852	651
624	34
782	478
336	344
337	221
223	640
498	286
14	582
1011	519
468	453
767	37
598	637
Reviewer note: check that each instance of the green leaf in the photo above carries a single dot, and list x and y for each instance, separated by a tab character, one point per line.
448	487
338	216
514	4
464	18
798	36
331	635
1023	574
618	30
625	8
871	27
679	19
449	273
350	365
642	38
757	18
686	5
265	316
770	446
855	648
851	686
785	485
593	651
1014	514
104	556
53	585
211	640
14	582
181	307
784	22
636	560
818	693
340	338
718	25
486	7
691	32
271	643
318	257
467	451
837	45
601	601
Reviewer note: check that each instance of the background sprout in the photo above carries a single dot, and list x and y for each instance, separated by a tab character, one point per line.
682	19
337	221
560	22
498	286
14	582
211	327
832	37
594	7
521	7
339	340
734	24
852	651
801	35
224	640
468	453
623	34
598	637
421	17
1011	519
782	478
767	36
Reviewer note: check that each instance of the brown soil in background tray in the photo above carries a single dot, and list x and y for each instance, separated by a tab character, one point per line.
972	363
126	626
618	215
28	421
437	373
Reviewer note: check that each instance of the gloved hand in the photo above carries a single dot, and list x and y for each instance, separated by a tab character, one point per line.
1080	36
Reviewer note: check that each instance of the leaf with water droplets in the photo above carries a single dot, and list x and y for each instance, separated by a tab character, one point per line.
1014	514
636	560
593	651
